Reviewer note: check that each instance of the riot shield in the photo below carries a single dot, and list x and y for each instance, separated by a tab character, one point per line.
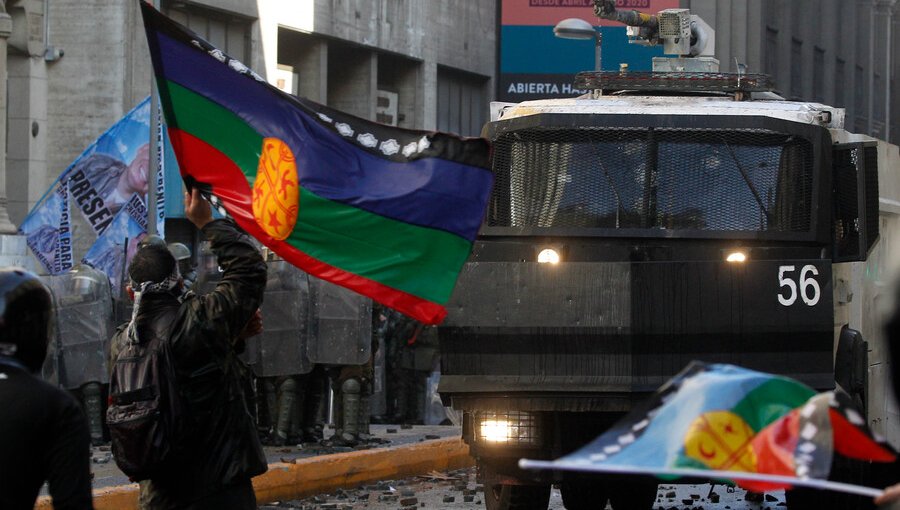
340	325
280	349
83	327
209	274
50	369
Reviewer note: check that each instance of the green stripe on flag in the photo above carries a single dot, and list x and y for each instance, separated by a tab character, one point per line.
417	260
421	261
218	126
770	401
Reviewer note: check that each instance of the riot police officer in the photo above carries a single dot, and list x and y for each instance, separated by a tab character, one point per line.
353	389
83	319
278	361
410	348
186	264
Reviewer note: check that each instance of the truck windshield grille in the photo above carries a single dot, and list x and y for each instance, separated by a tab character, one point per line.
646	178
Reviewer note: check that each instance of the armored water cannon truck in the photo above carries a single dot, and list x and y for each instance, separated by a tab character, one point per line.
658	219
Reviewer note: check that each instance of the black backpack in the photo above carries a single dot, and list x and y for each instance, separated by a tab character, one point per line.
145	408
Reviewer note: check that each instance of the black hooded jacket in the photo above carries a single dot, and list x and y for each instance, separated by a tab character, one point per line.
219	445
43	436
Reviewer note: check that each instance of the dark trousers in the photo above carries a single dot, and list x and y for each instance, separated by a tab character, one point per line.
237	496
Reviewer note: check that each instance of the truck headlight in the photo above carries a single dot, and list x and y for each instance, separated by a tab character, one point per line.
514	428
548	256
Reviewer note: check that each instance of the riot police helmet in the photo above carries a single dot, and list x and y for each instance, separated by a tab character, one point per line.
152	240
87	281
179	251
182	255
25	315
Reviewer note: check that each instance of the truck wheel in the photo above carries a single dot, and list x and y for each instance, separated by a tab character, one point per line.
582	495
516	497
634	494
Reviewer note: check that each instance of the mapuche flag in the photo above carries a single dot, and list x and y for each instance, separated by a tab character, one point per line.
387	212
761	431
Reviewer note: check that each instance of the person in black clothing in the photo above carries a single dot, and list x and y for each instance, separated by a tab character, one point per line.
43	432
219	451
891	496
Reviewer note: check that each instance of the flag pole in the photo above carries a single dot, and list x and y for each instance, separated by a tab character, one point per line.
703	473
155	149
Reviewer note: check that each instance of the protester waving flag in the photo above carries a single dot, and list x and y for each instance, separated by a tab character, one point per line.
762	431
387	212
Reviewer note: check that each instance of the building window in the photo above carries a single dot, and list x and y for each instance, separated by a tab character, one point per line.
462	102
230	33
819	75
771	66
894	116
859	100
796	69
398	76
840	83
878	121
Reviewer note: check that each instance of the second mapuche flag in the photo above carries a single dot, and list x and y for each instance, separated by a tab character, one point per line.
387	212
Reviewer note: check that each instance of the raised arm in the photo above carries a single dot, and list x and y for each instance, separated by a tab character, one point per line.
236	298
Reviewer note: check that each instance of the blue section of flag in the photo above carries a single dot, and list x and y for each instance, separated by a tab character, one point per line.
761	431
535	50
114	248
429	191
173	183
48	233
660	444
108	183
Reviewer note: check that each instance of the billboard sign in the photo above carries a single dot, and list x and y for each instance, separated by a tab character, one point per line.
535	64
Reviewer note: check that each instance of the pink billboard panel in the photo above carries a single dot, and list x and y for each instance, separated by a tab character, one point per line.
551	12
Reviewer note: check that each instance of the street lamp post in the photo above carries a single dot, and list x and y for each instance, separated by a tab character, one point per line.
577	28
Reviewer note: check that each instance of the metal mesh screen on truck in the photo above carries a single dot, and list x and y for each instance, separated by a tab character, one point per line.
650	178
855	191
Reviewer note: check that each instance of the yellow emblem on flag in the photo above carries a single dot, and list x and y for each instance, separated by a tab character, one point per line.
276	195
721	440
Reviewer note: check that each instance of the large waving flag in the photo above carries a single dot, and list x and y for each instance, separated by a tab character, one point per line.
110	176
762	431
387	212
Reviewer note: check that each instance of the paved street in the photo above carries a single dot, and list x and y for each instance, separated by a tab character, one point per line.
106	474
436	490
459	490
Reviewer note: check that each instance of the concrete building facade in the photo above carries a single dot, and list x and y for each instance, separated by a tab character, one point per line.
75	67
838	52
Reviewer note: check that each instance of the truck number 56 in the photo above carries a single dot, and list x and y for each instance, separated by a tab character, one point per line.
808	286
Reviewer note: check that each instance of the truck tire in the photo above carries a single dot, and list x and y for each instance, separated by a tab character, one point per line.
584	495
516	497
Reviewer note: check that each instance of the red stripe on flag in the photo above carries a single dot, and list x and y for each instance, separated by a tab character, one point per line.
208	165
774	448
851	441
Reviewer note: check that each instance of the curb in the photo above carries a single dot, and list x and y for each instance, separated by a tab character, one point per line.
322	474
